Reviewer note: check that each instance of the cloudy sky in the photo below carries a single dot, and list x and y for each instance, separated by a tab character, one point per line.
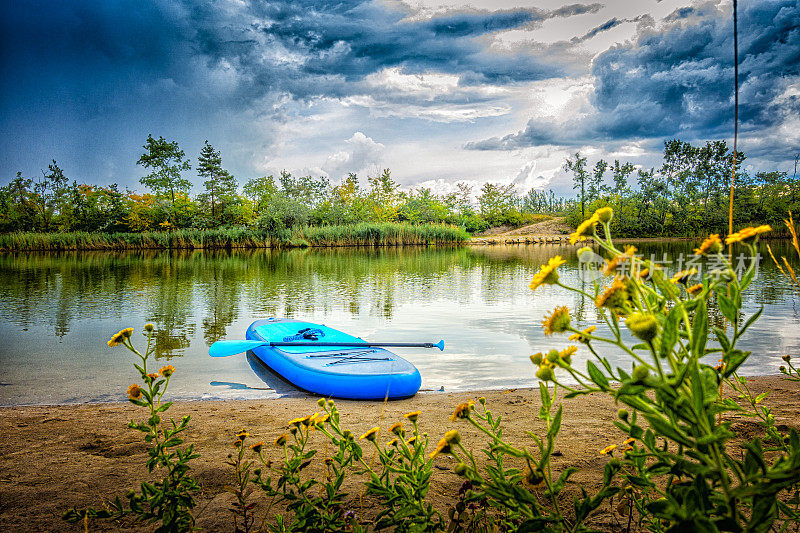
439	91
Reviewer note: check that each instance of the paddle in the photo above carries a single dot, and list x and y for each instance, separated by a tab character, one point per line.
226	348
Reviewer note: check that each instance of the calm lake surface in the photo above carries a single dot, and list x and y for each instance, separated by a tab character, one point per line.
58	310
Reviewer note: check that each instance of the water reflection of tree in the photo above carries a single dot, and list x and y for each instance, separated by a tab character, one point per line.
218	276
179	290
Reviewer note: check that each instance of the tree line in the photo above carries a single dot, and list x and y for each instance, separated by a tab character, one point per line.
274	203
687	196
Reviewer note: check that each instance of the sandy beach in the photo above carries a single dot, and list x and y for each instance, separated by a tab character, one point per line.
56	457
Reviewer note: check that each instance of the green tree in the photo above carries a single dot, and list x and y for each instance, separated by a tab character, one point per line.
260	191
220	185
18	211
578	168
383	197
496	201
596	186
166	160
620	174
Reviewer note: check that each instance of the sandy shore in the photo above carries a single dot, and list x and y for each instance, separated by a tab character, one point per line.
56	457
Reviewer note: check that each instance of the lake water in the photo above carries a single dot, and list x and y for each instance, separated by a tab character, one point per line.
58	310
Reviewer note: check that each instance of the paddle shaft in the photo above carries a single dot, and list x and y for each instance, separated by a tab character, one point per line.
357	344
232	347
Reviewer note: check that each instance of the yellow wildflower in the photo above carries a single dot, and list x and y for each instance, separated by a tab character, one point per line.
257	446
237	443
583	336
167	370
747	233
134	392
619	259
608	450
243	434
442	447
585	228
712	243
683	276
548	274
412	440
153	376
115	339
557	322
533	477
566	354
370	435
615	297
629	440
694	290
644	273
281	440
462	410
396	428
413	415
394	442
126	333
149	327
304	420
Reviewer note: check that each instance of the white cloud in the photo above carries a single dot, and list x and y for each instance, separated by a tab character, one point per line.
360	154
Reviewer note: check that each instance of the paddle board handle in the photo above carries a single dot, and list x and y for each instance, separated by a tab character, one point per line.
439	344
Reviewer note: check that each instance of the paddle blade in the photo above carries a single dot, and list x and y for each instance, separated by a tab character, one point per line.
439	345
226	348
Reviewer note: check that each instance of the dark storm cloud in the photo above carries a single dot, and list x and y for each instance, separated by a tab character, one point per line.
677	80
87	80
327	47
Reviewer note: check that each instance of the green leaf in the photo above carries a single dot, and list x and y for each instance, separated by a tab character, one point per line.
722	338
664	428
700	330
670	334
750	321
598	377
726	307
556	424
733	360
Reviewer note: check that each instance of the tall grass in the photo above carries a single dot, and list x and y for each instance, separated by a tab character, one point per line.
364	234
383	234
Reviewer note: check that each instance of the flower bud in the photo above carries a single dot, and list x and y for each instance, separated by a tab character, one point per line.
623	414
460	469
643	326
640	373
536	359
545	373
149	327
321	402
452	436
604	214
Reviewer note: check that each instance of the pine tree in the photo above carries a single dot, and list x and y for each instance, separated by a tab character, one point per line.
220	185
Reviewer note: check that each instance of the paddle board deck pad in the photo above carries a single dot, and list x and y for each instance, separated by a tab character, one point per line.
359	373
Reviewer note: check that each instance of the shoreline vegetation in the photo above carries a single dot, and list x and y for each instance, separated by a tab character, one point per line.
686	196
70	462
364	234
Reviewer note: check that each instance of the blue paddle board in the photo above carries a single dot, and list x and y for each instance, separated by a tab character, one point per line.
359	373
